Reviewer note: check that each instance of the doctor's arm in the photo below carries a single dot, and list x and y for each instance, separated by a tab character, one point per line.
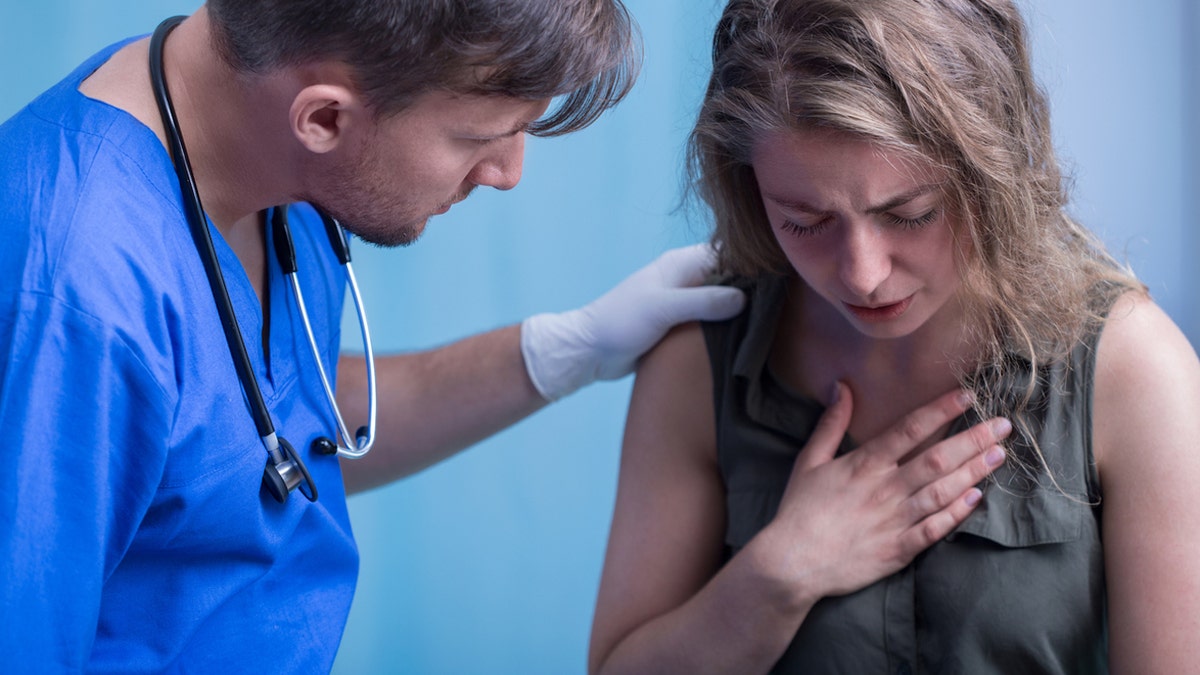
1146	441
432	404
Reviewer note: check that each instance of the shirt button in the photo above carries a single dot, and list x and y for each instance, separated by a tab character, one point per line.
904	669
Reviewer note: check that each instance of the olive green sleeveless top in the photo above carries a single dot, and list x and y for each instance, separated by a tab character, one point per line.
1017	588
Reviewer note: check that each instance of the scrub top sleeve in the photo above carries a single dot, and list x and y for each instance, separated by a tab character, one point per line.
86	428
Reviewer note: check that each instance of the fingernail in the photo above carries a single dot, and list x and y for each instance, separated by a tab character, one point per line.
994	457
973	496
966	397
1001	428
836	394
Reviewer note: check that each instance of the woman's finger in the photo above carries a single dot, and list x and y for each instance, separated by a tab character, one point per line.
917	426
943	492
938	525
946	456
830	430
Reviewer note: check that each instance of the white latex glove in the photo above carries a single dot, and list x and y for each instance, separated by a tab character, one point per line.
603	340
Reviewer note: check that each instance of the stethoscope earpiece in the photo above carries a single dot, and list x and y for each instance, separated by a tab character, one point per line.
280	478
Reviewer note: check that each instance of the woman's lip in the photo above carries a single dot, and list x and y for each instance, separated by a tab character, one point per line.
886	312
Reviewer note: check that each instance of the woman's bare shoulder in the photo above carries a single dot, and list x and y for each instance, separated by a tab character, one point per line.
1147	379
1141	342
672	394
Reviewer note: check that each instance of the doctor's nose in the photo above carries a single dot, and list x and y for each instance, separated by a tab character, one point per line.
864	261
501	166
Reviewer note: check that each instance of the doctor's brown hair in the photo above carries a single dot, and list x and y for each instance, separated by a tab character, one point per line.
584	51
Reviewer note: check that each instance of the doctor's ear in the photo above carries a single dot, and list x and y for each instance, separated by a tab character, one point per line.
322	114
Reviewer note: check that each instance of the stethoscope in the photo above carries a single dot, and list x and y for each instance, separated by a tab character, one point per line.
285	470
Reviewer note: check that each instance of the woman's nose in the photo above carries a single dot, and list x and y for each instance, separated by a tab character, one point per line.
865	259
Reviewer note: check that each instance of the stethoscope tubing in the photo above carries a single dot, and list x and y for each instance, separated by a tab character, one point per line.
285	252
362	442
197	224
286	469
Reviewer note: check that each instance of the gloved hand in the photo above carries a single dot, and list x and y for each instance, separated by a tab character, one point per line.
603	340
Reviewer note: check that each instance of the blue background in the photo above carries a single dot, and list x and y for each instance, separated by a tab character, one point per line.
489	562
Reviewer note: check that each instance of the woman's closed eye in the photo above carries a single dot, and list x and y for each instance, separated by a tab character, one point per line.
915	222
806	229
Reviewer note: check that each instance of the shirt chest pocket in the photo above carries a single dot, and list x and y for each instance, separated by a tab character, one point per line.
1028	517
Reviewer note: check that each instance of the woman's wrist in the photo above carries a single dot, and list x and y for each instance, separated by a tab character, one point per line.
784	574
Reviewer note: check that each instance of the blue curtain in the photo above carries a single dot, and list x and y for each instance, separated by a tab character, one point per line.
489	562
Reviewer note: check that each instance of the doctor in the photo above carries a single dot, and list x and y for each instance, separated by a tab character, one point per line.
168	501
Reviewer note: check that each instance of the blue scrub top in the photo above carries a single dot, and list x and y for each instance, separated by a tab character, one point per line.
133	532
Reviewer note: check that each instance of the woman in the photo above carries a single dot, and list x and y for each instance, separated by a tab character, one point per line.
884	187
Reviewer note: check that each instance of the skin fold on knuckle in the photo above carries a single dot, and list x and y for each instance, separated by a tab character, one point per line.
933	528
865	463
940	495
919	506
935	461
912	542
912	430
935	497
884	498
975	440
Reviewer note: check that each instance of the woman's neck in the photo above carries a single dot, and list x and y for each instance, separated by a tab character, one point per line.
815	346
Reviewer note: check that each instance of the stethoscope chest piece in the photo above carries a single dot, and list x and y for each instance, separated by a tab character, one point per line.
281	477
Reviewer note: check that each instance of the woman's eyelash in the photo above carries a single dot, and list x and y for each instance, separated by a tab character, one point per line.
913	223
804	230
820	226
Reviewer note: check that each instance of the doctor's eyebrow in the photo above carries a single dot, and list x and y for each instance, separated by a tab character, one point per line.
518	128
522	127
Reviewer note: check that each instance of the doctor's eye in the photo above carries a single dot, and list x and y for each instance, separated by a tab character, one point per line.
478	140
